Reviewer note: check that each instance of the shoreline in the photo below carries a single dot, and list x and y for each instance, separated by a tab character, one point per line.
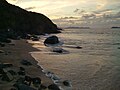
43	51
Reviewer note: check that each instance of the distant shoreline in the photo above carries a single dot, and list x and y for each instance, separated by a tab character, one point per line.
77	28
114	27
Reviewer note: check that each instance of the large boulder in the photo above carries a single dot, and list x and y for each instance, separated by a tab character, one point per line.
51	40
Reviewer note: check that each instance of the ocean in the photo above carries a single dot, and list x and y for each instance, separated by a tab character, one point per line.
94	66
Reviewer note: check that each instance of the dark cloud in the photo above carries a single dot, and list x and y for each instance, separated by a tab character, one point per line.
68	18
76	10
29	8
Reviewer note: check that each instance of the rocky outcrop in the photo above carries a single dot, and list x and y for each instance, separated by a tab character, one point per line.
51	40
16	20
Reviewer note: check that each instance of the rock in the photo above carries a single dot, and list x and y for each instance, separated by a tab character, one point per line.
78	47
66	83
56	78
5	65
118	47
2	71
36	80
13	89
51	40
1	51
7	77
4	40
24	87
12	72
28	36
19	81
22	69
2	45
28	80
35	38
58	50
11	44
21	73
53	87
25	62
42	87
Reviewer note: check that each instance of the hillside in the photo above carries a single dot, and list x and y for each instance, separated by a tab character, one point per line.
23	22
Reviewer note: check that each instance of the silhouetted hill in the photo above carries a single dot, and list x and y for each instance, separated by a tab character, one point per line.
21	21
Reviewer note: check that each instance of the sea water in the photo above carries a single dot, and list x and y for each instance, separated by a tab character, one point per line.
94	66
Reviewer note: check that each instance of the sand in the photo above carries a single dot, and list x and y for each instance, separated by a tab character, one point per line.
14	53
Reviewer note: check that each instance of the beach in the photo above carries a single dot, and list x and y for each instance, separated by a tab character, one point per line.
14	53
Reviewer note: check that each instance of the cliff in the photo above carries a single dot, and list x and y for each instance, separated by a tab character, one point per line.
21	21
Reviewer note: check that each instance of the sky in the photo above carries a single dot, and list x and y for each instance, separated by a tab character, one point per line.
104	13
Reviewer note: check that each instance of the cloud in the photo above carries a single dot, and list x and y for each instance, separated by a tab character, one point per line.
68	18
82	12
89	16
112	16
102	11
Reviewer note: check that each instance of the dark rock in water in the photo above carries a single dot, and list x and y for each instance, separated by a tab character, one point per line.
58	50
118	47
66	83
51	40
53	87
25	62
78	47
25	87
